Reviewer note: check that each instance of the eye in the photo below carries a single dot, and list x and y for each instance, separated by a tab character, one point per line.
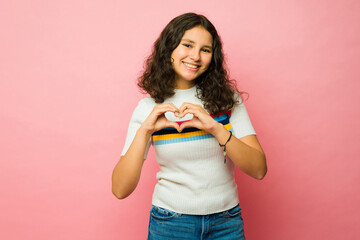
206	50
186	45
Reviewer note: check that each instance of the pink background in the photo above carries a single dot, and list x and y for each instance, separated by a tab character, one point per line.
67	91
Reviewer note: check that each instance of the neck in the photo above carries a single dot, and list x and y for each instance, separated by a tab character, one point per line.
184	84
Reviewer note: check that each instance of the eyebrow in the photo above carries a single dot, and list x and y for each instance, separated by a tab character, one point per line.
191	41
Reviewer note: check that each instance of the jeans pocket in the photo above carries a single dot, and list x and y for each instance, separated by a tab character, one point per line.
162	213
233	212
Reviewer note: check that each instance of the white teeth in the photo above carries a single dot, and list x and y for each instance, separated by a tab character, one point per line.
190	65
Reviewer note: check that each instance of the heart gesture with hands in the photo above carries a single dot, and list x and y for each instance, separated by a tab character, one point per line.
201	120
157	120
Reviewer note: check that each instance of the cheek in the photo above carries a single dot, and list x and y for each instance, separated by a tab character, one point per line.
207	61
180	54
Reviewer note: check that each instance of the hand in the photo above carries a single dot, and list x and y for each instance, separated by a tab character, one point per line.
201	120
157	120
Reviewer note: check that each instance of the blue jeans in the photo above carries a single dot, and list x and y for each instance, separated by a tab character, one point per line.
168	225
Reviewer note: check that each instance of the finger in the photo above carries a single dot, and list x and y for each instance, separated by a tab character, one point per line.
165	108
170	105
191	107
196	111
176	110
189	111
190	123
172	124
184	106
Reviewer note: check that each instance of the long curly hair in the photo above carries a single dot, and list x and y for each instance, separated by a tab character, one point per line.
214	88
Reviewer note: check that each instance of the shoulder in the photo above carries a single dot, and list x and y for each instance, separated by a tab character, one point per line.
239	101
144	107
146	102
240	120
239	110
237	97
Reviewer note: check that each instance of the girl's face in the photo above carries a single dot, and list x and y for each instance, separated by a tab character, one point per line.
192	56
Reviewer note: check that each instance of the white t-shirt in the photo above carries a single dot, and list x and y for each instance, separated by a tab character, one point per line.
193	178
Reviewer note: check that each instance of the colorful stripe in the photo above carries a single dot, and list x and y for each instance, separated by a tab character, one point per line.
171	135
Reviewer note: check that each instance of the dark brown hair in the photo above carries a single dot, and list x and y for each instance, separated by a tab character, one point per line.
214	88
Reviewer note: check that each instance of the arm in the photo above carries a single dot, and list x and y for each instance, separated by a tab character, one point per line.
126	173
246	153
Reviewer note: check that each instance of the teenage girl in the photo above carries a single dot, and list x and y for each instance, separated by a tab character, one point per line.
197	123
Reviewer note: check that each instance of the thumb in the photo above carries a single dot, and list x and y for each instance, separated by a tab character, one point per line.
185	125
173	124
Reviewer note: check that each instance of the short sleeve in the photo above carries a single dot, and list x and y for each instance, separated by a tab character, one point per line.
240	121
139	115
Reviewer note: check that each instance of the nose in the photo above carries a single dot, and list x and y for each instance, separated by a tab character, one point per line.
195	54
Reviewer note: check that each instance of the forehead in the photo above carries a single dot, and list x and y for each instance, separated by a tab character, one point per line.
198	35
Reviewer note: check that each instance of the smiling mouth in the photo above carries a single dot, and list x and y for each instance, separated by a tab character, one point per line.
191	66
